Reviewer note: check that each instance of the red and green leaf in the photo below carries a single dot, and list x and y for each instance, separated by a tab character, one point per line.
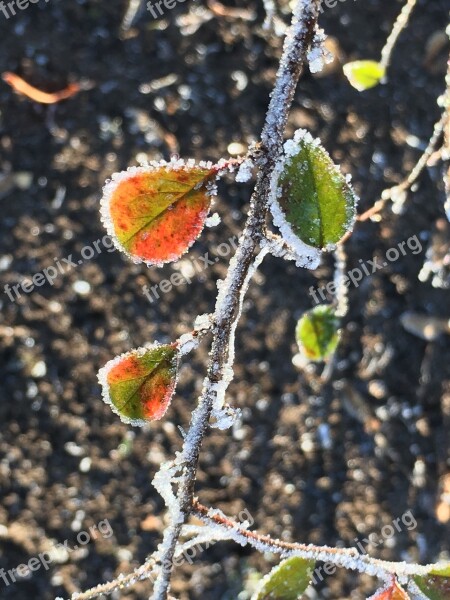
139	385
435	584
317	332
155	213
393	592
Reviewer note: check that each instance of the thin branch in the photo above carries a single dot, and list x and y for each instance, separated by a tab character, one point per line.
446	146
349	558
399	26
406	184
341	293
146	571
297	43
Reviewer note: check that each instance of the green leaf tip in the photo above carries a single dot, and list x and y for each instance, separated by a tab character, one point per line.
286	581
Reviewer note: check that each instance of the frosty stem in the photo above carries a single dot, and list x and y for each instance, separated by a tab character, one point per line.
349	558
399	26
410	180
298	41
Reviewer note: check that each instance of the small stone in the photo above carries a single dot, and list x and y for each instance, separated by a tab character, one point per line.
235	149
82	288
39	369
85	464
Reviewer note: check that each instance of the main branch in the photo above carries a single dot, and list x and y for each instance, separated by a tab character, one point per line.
298	41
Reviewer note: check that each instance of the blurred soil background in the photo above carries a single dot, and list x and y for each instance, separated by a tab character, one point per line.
312	464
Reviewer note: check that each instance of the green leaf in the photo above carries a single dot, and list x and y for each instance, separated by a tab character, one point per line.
364	74
317	332
286	581
436	584
139	385
311	198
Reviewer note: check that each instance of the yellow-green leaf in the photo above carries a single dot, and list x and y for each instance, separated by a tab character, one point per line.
317	332
286	581
364	74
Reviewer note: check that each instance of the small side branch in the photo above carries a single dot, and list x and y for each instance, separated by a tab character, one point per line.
399	26
148	570
348	558
398	190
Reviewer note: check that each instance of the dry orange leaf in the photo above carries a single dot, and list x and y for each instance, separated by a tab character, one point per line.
20	85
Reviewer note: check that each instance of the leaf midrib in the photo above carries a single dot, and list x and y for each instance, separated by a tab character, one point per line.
164	210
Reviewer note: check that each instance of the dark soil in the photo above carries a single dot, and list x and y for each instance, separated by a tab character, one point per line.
67	462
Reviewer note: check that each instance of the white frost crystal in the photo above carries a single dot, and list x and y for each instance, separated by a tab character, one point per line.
319	56
187	342
203	322
225	417
245	171
213	220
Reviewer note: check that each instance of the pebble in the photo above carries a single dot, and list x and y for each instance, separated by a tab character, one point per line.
235	148
82	288
85	464
39	369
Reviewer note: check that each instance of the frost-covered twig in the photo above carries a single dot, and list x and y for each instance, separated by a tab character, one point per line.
146	571
399	26
297	43
348	558
446	146
340	257
396	193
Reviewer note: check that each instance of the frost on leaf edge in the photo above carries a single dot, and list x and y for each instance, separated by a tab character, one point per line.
116	178
309	256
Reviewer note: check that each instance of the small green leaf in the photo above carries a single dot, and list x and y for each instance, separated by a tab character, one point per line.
286	581
317	332
139	384
312	201
436	584
364	74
